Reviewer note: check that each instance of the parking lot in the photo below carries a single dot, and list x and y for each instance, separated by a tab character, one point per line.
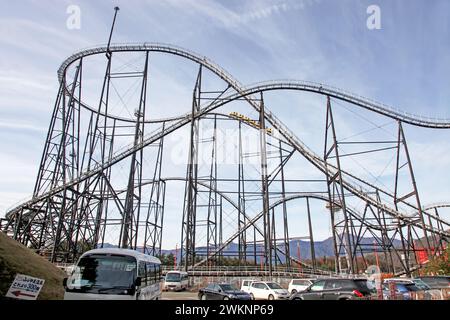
393	289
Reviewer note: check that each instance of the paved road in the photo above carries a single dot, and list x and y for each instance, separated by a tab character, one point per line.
183	295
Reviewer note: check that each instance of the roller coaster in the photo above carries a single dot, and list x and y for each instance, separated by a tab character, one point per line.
78	202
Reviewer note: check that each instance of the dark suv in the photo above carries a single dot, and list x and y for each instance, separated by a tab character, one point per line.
335	289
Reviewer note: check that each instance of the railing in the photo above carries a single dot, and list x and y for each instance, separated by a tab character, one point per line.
249	270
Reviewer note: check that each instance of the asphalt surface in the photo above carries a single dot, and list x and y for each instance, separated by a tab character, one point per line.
182	295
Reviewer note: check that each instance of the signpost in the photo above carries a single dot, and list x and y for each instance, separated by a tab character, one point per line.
25	287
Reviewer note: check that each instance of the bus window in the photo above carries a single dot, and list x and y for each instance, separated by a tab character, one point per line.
142	273
151	272
101	274
157	273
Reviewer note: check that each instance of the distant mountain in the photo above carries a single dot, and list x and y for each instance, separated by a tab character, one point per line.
109	245
322	248
325	248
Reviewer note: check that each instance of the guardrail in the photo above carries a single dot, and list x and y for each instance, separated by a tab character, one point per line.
248	270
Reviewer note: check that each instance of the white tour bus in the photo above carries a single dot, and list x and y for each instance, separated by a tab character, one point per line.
114	274
176	280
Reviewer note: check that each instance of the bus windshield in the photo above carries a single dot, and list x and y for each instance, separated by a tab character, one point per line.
103	274
173	277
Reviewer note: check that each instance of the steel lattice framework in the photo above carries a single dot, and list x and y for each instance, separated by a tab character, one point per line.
75	195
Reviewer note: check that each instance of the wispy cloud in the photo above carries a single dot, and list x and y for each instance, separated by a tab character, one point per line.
22	126
23	83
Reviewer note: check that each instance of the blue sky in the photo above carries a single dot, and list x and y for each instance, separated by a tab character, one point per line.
404	64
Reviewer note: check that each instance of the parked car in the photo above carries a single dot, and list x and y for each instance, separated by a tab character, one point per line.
402	290
403	287
222	291
268	290
246	285
419	283
297	285
335	289
436	282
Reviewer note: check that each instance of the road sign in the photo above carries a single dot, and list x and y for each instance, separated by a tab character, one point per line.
25	287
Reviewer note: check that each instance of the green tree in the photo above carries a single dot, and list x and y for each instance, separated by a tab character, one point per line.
170	259
439	264
163	259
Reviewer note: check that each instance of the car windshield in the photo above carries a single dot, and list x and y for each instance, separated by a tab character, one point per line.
408	286
227	287
273	285
421	285
437	281
102	273
173	277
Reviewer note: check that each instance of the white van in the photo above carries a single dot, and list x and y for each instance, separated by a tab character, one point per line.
246	285
176	281
114	274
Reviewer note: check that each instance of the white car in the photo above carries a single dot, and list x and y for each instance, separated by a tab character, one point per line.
298	285
268	290
246	285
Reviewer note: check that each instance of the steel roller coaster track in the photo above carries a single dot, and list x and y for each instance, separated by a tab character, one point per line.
381	205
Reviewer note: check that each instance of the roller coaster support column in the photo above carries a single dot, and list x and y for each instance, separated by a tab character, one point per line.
132	210
440	227
311	238
190	203
155	213
242	245
387	245
265	191
336	189
287	251
402	142
61	167
211	221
